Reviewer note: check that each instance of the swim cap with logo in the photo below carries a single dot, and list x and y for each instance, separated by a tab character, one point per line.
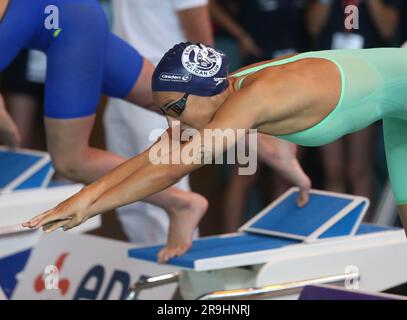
192	68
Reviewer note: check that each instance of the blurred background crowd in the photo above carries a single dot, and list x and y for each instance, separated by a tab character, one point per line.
249	31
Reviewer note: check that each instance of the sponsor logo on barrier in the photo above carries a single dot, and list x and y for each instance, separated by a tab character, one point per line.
90	286
49	279
68	266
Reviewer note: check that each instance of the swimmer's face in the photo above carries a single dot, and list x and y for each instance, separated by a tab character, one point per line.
194	111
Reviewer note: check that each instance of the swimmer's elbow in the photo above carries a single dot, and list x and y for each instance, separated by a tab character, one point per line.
175	175
165	176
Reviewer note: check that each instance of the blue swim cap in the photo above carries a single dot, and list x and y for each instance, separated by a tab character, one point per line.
192	68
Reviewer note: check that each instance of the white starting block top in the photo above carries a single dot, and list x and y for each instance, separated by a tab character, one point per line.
22	169
327	215
26	190
330	219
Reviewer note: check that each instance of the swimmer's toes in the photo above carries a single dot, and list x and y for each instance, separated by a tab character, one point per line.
168	253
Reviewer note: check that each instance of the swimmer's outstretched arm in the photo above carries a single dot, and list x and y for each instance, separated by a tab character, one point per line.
81	201
149	178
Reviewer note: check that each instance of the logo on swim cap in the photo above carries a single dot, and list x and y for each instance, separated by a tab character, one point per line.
201	61
218	81
166	76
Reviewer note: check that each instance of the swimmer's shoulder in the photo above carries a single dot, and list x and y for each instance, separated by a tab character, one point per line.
258	64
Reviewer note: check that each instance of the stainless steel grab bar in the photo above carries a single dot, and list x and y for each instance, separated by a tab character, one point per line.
277	290
151	282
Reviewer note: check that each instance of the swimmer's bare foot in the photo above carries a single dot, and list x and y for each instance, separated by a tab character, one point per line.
184	219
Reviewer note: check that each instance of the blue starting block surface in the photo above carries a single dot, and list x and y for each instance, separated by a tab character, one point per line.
327	215
229	245
282	224
24	169
324	292
10	267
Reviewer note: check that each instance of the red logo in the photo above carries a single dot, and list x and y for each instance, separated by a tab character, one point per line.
63	284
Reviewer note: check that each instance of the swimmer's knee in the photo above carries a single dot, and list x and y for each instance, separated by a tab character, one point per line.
67	166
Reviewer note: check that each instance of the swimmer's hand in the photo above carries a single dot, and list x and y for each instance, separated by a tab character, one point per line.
9	133
282	156
67	215
303	195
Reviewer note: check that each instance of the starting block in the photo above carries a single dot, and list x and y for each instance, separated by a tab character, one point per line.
327	216
26	190
285	244
24	169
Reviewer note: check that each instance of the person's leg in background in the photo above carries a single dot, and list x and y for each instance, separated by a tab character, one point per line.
23	85
333	166
360	166
73	87
23	109
348	162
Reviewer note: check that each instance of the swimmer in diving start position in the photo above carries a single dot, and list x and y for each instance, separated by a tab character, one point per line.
84	60
310	99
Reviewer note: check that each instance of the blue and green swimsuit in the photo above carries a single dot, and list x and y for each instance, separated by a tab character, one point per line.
374	87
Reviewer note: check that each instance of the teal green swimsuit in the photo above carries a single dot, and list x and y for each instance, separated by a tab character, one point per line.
374	87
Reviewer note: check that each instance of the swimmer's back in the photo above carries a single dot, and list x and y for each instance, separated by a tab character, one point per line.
374	85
